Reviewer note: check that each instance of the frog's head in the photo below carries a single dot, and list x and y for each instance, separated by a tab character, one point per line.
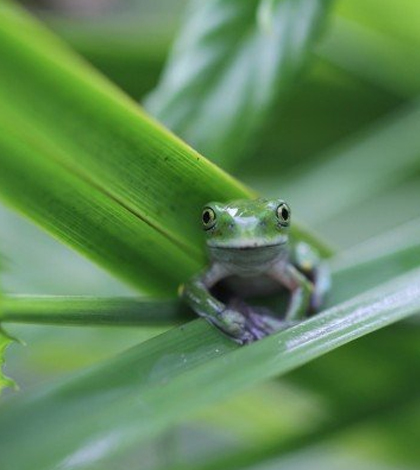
246	224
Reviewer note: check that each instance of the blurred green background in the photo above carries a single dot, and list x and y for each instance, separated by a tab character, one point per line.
349	131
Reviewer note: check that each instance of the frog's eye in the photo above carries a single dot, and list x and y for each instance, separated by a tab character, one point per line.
208	218
283	213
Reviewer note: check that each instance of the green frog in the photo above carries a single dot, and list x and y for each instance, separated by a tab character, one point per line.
251	252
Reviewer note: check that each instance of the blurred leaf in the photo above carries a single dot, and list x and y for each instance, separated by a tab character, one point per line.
378	58
375	260
392	438
362	384
131	53
131	397
5	340
231	62
356	169
312	120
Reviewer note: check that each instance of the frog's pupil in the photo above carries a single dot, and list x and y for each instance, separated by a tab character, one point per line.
206	217
285	213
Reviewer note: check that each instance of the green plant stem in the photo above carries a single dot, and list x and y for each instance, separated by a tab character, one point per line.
74	310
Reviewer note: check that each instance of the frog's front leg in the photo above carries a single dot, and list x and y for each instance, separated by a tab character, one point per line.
197	294
300	288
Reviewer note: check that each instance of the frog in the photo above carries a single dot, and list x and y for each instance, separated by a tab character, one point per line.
251	248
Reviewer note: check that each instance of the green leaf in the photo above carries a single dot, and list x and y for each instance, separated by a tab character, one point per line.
375	261
131	397
104	178
232	61
338	381
373	56
384	43
5	341
339	171
130	53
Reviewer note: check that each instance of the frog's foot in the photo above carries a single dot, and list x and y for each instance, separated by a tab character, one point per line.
266	322
260	321
234	324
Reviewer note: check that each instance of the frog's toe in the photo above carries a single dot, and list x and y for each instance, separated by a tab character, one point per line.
246	337
234	324
266	324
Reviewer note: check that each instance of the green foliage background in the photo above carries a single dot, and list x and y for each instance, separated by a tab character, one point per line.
311	100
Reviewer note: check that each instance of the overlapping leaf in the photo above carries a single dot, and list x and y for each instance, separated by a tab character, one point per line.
232	61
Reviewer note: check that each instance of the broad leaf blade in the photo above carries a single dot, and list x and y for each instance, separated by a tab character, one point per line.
232	61
82	160
83	216
103	135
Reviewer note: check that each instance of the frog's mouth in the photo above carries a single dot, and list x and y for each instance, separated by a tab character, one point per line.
248	245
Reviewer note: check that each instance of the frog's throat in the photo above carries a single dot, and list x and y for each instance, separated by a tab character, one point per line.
249	261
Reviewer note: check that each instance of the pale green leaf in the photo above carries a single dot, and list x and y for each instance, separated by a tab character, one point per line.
232	61
358	168
5	341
